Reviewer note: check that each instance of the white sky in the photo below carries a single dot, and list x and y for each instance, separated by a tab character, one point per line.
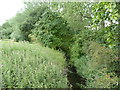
9	8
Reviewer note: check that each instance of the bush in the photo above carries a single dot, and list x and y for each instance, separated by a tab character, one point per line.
92	61
5	33
17	35
52	31
27	65
5	30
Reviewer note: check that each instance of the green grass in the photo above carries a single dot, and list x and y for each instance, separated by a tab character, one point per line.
26	65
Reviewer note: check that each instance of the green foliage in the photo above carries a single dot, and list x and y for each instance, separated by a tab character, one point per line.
5	31
108	36
52	31
27	65
74	13
79	39
93	65
48	28
105	16
104	11
29	23
66	26
17	35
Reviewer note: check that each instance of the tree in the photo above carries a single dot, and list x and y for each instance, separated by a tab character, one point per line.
52	30
5	30
104	23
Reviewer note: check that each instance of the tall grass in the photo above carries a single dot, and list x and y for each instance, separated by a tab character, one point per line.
27	65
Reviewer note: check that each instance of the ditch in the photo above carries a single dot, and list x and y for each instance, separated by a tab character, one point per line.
74	79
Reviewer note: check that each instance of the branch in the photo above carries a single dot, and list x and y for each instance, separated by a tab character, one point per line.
85	16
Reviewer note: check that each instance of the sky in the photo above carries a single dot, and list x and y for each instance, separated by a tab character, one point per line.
9	8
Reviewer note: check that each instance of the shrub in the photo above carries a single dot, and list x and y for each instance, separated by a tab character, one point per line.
17	35
27	65
91	62
52	31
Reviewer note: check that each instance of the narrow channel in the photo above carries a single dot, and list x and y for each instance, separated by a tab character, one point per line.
74	79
